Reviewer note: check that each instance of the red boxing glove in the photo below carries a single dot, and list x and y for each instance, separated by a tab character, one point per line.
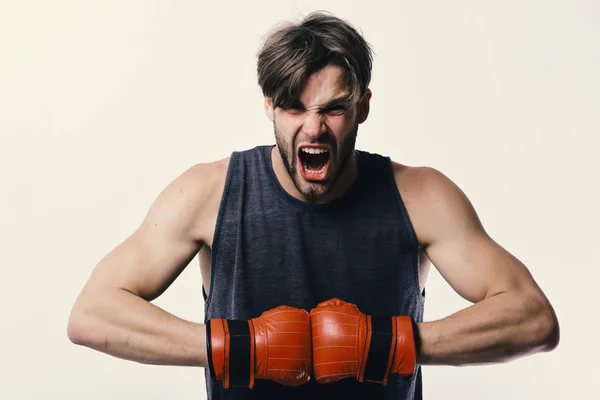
274	346
347	343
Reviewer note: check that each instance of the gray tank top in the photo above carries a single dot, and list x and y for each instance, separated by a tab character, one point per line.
270	249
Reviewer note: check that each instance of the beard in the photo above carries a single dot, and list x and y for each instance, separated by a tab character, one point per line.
315	192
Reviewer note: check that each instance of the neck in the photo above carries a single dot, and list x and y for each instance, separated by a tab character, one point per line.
343	183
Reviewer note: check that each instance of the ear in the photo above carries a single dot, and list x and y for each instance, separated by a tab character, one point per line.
364	106
268	104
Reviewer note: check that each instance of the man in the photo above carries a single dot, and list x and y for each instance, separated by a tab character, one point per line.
314	255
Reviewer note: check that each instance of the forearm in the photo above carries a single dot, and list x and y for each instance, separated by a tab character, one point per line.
497	329
127	326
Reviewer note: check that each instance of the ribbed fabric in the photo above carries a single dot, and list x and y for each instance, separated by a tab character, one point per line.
270	249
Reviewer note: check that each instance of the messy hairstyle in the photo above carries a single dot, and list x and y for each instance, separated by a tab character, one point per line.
294	51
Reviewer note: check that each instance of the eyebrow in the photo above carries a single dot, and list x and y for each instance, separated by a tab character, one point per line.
329	104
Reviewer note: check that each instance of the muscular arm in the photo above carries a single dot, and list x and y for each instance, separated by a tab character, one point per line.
510	317
113	313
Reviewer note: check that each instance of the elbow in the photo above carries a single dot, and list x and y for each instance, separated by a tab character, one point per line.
78	326
75	327
550	337
545	329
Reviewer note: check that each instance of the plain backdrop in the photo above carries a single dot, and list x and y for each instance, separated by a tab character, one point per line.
103	103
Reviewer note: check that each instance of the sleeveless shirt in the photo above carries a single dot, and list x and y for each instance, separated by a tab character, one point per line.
271	249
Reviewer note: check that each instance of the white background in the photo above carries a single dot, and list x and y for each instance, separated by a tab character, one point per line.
103	103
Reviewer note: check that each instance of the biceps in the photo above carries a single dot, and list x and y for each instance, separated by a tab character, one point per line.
145	264
477	267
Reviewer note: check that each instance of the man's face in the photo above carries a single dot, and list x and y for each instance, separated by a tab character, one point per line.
316	136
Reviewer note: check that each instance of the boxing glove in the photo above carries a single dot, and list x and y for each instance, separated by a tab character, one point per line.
347	343
274	346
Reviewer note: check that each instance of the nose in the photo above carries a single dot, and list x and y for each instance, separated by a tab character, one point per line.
313	125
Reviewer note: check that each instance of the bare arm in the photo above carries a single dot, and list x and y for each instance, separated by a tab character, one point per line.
113	313
510	317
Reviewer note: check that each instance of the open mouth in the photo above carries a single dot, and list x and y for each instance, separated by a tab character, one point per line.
314	162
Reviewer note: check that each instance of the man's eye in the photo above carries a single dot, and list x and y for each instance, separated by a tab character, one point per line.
337	110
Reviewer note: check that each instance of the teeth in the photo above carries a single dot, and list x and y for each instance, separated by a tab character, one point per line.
312	150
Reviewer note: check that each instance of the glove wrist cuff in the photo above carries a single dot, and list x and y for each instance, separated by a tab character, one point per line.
379	350
230	352
407	344
216	337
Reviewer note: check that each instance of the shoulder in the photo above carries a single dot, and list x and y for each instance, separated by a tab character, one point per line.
200	180
204	182
192	198
432	200
422	182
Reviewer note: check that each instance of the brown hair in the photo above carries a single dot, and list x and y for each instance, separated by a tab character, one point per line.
294	51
